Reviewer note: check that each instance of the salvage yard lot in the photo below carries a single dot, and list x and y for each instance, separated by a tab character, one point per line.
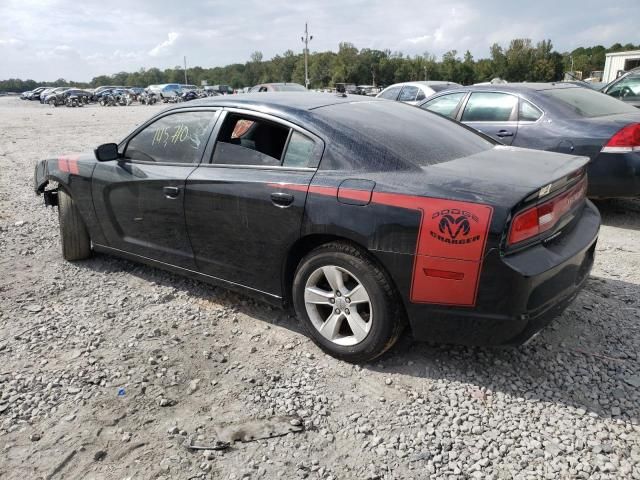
186	357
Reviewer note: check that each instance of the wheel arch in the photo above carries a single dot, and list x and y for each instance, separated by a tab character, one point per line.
306	244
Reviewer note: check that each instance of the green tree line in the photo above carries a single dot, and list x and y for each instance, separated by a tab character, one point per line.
520	61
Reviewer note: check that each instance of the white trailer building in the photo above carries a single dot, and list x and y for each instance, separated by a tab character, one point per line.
619	62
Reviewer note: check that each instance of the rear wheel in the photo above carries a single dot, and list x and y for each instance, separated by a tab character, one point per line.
74	237
346	303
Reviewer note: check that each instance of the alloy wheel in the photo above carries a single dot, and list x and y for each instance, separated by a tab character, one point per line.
338	305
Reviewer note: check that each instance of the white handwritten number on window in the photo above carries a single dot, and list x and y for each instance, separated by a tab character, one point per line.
163	137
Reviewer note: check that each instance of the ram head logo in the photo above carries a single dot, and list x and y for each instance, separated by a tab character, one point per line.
454	226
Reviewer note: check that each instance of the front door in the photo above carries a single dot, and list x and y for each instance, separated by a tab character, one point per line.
139	199
492	113
244	209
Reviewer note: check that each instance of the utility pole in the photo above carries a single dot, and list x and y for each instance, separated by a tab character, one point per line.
306	39
425	73
185	70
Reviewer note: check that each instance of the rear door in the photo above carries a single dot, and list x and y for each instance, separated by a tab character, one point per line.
244	209
492	113
139	199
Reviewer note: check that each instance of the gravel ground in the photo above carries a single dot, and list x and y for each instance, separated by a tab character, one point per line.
107	366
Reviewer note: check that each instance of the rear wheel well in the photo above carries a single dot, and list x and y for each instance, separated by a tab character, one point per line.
305	244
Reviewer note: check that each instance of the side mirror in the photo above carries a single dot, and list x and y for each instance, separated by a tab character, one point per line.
107	152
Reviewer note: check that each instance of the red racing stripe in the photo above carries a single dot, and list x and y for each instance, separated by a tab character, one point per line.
450	248
69	164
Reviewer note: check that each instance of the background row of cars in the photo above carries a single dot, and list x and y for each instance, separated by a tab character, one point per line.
625	88
564	117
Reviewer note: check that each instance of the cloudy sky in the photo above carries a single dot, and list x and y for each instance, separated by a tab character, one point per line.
50	39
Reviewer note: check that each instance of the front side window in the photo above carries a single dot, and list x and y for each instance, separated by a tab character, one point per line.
445	105
408	94
490	107
628	87
390	93
176	138
528	112
246	140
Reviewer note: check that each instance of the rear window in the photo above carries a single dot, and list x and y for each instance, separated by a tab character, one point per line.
289	88
439	87
400	131
585	102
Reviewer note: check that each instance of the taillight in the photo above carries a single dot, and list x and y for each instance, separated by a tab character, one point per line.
545	216
627	139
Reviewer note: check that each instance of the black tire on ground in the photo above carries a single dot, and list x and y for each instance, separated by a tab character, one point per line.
74	237
388	314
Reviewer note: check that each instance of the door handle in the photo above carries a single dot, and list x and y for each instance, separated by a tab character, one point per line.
504	133
281	199
171	192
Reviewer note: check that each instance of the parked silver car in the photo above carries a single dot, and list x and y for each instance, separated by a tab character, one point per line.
414	92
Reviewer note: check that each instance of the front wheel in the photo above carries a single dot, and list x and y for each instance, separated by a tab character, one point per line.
74	238
347	303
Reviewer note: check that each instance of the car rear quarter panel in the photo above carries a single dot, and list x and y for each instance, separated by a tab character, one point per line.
398	228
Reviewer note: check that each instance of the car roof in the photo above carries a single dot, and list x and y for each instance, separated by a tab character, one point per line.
426	83
276	83
523	87
283	102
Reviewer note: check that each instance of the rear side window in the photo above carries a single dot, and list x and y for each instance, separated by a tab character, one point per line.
299	151
245	140
390	93
445	105
585	102
176	138
528	112
489	107
408	94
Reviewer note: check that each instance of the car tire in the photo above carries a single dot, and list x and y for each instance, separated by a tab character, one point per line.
74	238
379	320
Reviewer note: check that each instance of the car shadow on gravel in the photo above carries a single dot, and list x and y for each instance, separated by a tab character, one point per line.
587	359
622	213
206	295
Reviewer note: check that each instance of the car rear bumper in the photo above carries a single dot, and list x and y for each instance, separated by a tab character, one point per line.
614	175
519	293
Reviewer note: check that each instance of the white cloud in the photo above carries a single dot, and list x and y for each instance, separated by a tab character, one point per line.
417	40
9	41
163	47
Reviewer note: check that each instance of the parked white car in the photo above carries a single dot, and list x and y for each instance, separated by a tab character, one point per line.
414	92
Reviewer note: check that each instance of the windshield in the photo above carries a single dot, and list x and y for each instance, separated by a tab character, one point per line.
585	102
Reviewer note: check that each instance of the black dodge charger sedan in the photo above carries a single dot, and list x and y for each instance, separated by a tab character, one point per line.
363	214
558	117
